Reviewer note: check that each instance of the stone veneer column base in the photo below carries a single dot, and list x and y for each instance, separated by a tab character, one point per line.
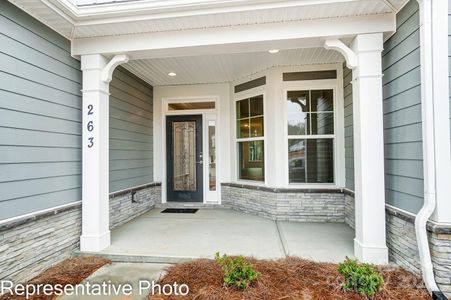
34	243
402	243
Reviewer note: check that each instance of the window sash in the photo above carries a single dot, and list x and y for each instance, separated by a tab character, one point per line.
250	173
309	135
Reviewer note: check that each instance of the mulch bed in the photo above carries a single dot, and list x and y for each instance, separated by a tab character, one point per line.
286	279
68	272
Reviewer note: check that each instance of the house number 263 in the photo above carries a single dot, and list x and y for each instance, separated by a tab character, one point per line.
90	126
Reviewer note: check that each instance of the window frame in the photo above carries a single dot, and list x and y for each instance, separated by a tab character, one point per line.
254	92
312	85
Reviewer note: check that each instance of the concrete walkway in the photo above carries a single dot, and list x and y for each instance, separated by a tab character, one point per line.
171	238
119	274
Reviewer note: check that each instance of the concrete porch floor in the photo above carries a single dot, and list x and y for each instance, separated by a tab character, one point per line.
172	238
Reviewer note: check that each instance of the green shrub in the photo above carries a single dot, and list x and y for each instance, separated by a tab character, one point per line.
238	272
361	278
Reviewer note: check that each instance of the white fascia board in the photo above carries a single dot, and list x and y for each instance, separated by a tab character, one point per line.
311	33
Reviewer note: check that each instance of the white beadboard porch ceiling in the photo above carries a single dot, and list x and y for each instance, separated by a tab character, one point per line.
224	67
72	23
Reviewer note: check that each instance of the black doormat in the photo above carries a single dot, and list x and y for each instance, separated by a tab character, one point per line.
180	211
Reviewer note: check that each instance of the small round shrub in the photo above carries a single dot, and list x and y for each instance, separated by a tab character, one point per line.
361	278
238	272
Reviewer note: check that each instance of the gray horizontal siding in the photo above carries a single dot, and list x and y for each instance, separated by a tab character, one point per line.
349	133
131	131
40	116
402	112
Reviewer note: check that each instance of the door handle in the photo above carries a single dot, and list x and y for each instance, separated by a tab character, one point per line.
201	160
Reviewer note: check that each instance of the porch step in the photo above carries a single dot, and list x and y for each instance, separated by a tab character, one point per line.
189	205
131	258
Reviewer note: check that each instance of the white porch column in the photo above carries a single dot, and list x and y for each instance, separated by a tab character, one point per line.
95	204
369	243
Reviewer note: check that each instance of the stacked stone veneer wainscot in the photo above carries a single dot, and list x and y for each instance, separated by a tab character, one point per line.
34	243
402	244
309	205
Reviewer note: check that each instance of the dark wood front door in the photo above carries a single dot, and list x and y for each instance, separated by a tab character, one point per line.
184	158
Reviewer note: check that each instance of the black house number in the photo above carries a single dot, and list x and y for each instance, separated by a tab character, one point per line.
90	126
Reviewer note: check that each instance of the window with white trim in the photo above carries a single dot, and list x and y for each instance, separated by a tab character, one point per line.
310	115
250	138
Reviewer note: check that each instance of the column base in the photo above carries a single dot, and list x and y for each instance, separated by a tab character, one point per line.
95	243
370	254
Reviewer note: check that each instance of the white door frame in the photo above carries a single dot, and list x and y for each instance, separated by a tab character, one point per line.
207	115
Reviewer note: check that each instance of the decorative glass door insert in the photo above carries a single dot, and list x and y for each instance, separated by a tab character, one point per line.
184	143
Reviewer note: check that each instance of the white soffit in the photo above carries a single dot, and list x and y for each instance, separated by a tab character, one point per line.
224	67
64	17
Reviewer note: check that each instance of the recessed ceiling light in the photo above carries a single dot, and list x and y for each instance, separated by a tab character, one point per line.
172	74
272	51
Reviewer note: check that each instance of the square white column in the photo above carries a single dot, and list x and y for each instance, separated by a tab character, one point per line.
369	243
95	191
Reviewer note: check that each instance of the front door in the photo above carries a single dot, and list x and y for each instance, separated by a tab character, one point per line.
184	158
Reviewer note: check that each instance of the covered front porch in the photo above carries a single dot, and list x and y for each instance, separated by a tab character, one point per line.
251	117
176	237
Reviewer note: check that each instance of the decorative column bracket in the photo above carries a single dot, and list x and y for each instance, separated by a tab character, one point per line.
349	55
107	72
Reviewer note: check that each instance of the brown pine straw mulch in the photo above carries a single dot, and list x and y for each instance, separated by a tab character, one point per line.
67	272
286	279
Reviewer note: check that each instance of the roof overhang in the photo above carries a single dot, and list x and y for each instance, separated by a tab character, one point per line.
149	16
237	39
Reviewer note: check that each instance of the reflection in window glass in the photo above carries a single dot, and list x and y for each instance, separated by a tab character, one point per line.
251	160
310	112
311	160
298	124
212	155
322	100
296	161
322	123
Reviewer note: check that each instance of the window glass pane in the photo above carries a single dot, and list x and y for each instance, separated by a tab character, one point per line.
298	124
257	127
320	161
212	155
242	109
256	106
311	160
322	100
298	101
251	160
296	160
242	127
322	123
